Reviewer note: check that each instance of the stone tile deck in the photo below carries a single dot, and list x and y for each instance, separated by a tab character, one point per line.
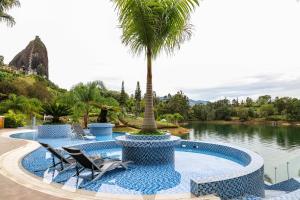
11	190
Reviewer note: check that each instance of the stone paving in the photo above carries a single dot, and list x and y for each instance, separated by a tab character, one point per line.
10	190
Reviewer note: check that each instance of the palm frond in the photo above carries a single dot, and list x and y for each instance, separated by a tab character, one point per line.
8	19
155	24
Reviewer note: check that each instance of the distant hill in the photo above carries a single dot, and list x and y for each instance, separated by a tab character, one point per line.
196	102
33	86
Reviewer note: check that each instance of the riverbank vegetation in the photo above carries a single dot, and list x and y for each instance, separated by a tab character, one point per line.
262	109
23	96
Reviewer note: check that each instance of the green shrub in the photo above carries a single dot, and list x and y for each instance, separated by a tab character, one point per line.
57	111
243	114
14	120
276	117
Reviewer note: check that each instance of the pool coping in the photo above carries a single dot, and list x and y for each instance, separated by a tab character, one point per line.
11	167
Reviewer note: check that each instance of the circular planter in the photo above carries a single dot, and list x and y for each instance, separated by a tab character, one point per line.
147	149
54	131
100	129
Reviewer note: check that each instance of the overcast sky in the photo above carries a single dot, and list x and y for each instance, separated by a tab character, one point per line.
239	47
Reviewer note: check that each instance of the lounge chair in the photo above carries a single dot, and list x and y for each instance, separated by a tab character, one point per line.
79	132
99	158
65	162
98	167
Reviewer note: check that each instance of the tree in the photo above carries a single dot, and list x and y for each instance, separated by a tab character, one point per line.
235	102
20	104
138	98
151	26
249	102
1	60
264	100
123	96
243	114
178	103
200	112
83	97
6	5
267	110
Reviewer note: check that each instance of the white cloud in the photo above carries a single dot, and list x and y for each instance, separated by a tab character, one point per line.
233	40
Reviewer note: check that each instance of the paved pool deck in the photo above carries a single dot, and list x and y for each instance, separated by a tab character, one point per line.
16	183
9	189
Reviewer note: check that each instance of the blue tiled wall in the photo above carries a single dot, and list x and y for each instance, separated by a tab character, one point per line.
250	184
54	131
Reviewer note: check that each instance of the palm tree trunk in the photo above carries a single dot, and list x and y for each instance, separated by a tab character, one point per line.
149	124
86	119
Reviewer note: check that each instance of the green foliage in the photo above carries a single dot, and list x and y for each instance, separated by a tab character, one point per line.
149	133
178	103
14	120
284	108
173	118
266	110
243	114
29	106
200	112
123	96
88	98
5	75
5	6
56	110
29	86
249	102
262	100
156	25
1	61
293	110
138	98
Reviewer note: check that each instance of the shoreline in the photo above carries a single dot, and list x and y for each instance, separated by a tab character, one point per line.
250	122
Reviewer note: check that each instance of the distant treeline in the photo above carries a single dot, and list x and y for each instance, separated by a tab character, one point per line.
279	108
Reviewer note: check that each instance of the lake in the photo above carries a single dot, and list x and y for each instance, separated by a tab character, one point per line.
279	146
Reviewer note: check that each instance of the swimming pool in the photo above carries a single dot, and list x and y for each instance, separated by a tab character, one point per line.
59	142
197	165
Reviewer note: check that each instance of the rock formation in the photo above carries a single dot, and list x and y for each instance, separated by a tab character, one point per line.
33	59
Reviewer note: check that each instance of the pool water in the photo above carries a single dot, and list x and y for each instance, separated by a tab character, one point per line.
139	179
59	142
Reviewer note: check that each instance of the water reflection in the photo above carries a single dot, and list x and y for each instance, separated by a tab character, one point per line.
277	145
285	137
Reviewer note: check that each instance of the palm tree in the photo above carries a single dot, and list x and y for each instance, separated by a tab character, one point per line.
84	96
6	5
150	26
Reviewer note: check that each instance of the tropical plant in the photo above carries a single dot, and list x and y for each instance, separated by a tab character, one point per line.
83	97
56	110
138	99
6	5
20	104
151	26
123	96
14	120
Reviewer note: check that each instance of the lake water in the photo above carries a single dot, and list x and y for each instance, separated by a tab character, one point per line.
279	146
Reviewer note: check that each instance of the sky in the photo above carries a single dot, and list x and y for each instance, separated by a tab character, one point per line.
239	48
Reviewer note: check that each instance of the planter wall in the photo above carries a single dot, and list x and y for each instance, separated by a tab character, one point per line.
100	129
148	150
54	131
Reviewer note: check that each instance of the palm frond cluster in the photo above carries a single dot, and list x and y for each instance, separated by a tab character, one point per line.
6	5
155	24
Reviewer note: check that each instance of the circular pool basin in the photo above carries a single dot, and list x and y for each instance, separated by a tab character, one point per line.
200	168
